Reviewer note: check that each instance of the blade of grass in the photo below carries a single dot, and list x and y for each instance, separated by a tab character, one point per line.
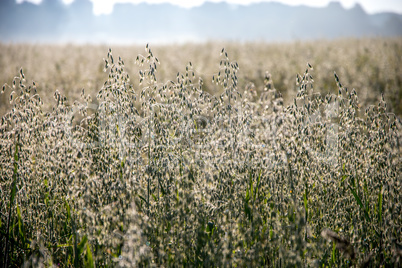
90	260
257	186
68	211
360	203
82	244
143	199
163	190
380	206
21	229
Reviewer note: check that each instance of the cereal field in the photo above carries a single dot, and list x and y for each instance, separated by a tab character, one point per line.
215	154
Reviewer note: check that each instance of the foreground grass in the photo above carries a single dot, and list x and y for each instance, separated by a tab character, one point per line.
165	173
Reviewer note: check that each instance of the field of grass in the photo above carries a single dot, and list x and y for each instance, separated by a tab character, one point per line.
371	66
261	155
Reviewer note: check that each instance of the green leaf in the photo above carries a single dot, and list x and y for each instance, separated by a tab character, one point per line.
118	130
251	185
177	195
360	203
68	210
247	198
143	199
21	229
123	162
257	186
344	178
333	254
13	191
90	259
162	189
16	153
81	245
380	205
64	245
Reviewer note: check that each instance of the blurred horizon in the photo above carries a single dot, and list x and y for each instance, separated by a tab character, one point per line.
75	21
370	6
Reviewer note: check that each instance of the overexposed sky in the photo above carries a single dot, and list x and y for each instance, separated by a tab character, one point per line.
371	6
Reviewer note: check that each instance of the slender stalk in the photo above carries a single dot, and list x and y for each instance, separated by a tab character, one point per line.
12	197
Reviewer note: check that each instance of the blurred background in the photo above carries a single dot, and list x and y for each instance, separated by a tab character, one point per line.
180	21
61	44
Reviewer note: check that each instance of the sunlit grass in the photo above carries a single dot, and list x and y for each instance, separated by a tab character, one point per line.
152	172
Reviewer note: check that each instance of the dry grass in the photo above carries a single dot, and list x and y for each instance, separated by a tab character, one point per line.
201	167
371	66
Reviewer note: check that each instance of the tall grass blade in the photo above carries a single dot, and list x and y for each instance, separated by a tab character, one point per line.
380	198
90	260
21	229
360	203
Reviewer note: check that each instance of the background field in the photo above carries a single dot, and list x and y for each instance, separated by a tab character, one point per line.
371	66
252	155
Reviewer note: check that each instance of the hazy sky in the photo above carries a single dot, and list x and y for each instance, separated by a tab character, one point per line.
371	6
